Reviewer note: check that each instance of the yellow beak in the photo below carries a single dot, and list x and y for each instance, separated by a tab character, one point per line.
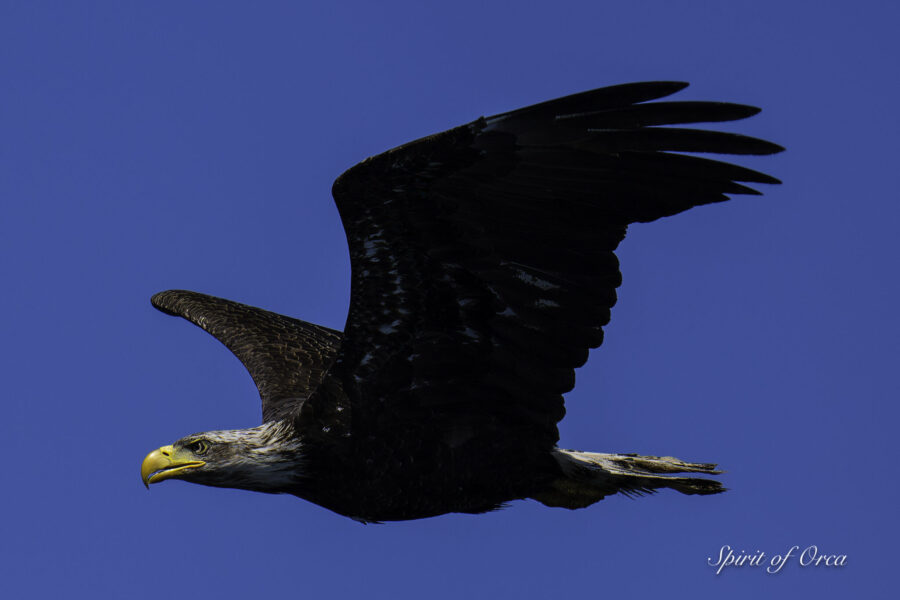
167	462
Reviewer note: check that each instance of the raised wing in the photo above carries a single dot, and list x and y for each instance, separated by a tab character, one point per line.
287	358
482	257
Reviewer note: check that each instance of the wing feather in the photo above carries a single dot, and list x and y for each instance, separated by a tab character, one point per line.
287	358
482	258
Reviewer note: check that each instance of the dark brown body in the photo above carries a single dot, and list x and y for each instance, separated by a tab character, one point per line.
415	471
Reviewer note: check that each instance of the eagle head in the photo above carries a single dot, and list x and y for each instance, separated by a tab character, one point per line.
267	458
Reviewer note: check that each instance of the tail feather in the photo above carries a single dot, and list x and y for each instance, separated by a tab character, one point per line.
591	476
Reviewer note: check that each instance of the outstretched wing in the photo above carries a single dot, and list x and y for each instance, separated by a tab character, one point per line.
482	257
287	358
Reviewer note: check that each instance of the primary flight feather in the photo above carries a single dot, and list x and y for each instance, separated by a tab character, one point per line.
482	273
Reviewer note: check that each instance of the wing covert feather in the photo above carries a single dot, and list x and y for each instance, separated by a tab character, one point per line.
287	358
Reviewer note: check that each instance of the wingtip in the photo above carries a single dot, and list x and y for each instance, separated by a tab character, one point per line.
740	111
676	86
613	96
765	147
156	299
645	91
165	301
667	84
776	148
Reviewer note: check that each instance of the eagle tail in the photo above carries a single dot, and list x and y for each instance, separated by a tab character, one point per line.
591	476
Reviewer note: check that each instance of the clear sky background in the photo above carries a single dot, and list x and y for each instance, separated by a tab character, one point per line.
147	146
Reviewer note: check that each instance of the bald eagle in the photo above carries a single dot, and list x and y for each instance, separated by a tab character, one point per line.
482	273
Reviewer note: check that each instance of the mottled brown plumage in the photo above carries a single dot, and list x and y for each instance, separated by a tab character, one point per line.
482	273
286	357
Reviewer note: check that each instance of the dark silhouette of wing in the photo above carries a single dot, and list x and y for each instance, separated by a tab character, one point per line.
482	257
287	358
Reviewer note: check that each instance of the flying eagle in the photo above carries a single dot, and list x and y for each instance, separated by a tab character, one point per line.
482	273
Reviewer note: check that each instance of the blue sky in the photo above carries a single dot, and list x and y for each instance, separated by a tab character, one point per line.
147	146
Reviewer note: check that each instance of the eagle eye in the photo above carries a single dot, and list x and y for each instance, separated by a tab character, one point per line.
199	447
